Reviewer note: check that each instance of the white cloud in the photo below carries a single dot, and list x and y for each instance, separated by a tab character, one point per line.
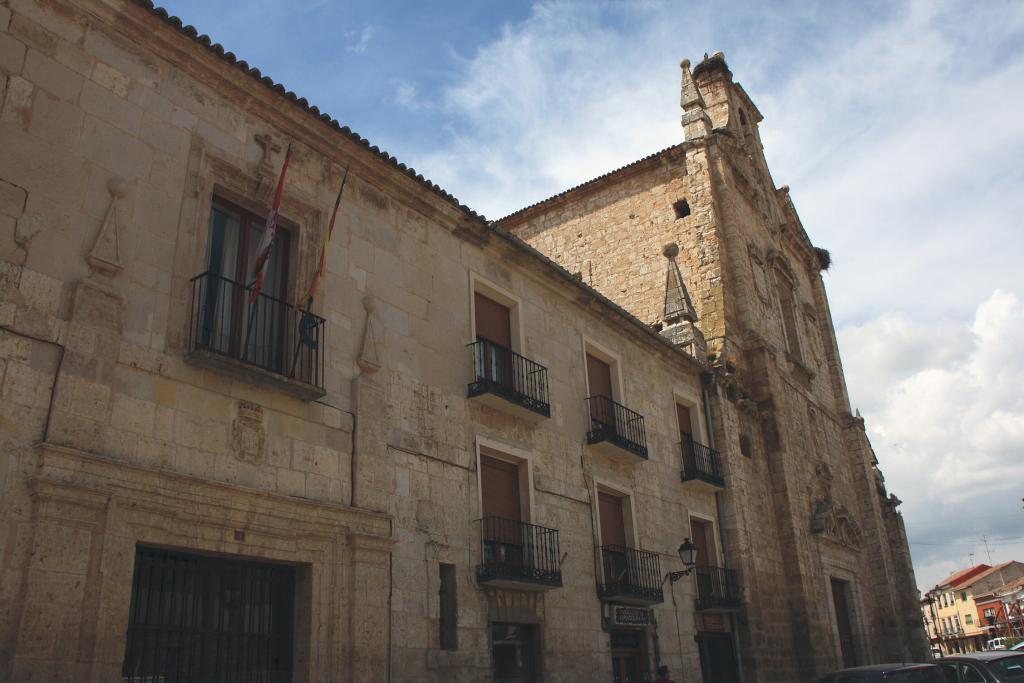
359	40
945	413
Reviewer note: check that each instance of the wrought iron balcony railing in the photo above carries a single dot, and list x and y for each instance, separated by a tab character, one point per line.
701	463
504	373
267	333
518	553
717	589
614	423
630	575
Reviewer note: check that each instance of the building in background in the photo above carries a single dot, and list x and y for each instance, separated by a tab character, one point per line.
466	459
962	623
1001	610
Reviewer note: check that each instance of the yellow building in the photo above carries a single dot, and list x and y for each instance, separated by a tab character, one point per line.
954	612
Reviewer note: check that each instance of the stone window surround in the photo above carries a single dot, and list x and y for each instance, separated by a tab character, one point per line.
209	175
522	459
608	356
629	510
688	399
785	277
495	292
717	560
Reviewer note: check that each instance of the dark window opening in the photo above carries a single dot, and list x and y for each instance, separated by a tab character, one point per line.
743	117
514	652
253	331
787	302
196	618
745	447
449	608
682	208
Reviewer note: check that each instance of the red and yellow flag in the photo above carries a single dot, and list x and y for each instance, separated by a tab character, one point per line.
307	301
269	232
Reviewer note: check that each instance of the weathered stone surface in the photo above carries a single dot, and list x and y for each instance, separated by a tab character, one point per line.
111	435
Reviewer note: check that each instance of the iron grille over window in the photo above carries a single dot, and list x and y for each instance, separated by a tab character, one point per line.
717	588
617	424
208	619
517	551
630	574
515	378
701	462
267	333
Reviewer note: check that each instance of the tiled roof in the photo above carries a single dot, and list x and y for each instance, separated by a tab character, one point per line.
592	181
959	576
301	102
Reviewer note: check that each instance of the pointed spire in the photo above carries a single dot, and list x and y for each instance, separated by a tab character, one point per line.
677	300
696	123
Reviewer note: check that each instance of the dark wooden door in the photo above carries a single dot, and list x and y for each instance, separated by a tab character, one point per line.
613	528
493	321
628	657
840	599
701	538
502	531
599	376
717	658
500	483
685	425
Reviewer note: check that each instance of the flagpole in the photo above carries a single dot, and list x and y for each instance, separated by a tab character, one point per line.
317	274
263	255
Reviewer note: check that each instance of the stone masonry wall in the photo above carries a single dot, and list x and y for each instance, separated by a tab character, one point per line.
740	243
118	131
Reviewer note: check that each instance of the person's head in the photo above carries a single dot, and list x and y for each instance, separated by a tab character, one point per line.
663	671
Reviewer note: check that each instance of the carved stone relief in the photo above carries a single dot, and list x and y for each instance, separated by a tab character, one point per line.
105	255
248	435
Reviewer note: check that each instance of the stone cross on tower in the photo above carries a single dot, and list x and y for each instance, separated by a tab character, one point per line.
679	318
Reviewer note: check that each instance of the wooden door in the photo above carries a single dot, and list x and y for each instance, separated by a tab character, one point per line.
599	378
843	623
613	527
502	532
493	321
685	425
701	538
500	483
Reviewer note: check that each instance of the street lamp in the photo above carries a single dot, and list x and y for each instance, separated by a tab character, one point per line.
688	556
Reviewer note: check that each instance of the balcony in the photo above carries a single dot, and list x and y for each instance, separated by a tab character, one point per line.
631	576
263	342
614	427
518	555
702	466
717	590
506	381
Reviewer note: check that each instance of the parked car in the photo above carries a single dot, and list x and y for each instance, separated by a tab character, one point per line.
996	644
1018	646
889	673
984	667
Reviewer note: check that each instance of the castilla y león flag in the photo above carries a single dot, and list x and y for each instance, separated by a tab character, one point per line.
269	231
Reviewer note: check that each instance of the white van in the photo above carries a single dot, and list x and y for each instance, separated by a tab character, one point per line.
996	644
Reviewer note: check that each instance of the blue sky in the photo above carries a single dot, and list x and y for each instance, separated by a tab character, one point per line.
897	125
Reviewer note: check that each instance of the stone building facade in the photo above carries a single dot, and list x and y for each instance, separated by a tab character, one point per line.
463	460
818	541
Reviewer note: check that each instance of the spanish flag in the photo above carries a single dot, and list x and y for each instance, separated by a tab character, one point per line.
307	301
